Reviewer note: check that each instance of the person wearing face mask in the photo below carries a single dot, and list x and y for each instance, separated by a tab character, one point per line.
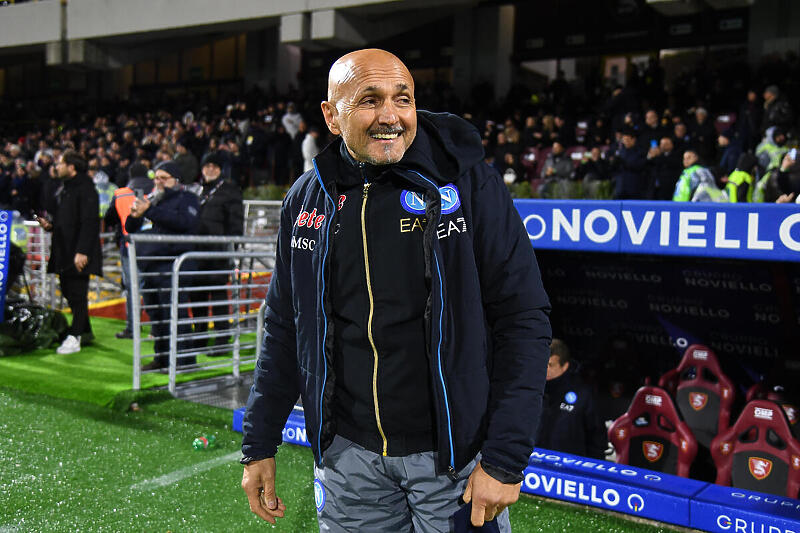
221	213
172	211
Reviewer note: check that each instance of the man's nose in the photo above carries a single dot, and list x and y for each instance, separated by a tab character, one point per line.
387	113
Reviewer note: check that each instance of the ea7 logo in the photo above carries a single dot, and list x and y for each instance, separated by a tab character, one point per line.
760	468
698	400
652	450
702	355
653	399
762	413
725	448
621	433
791	413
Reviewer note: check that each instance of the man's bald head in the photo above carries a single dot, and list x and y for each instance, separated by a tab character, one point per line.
371	105
348	67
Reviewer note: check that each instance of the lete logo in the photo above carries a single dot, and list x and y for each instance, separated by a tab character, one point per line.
311	220
698	400
760	468
652	450
414	202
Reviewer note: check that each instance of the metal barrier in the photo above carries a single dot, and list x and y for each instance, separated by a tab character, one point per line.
262	218
43	288
168	285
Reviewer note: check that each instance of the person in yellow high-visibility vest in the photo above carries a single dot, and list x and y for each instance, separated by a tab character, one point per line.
741	182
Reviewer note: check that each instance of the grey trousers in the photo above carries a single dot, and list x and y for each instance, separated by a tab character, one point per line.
357	490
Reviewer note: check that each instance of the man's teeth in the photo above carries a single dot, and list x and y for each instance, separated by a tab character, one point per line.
386	135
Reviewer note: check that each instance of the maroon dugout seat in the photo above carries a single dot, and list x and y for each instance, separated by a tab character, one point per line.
759	452
652	435
543	153
724	121
529	160
702	392
762	391
575	153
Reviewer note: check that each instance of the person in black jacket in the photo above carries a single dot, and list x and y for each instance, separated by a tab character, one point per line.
569	420
75	252
628	168
221	213
172	211
406	308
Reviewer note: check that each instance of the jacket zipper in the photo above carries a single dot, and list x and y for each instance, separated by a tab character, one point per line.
371	314
451	468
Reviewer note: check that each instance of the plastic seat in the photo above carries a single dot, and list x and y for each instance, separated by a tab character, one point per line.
759	452
576	153
652	435
702	392
762	391
724	121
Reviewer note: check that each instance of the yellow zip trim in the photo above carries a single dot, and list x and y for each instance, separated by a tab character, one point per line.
369	320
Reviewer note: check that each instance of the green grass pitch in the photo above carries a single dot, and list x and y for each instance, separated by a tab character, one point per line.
72	465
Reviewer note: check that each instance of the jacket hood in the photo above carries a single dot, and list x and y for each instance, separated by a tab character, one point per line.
444	148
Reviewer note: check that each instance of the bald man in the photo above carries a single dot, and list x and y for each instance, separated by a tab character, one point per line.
406	308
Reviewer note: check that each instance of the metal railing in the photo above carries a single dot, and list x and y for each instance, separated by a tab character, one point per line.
168	288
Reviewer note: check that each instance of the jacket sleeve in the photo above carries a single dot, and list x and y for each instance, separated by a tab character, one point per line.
275	382
182	220
234	215
89	227
111	217
517	310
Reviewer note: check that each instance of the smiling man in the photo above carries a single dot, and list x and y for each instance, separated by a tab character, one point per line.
406	308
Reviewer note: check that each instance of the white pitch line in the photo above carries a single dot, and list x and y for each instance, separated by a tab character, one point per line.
183	473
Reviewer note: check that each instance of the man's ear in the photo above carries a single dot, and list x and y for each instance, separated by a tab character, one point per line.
331	115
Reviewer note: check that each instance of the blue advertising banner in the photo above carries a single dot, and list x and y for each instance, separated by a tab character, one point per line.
606	485
5	250
727	509
739	231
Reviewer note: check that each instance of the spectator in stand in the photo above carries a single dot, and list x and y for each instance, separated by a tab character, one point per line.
549	133
777	110
291	120
310	148
599	133
139	184
749	121
532	134
504	146
772	148
186	160
172	211
694	175
75	252
731	148
680	137
510	168
281	147
788	179
564	130
296	155
628	168
570	422
741	182
665	168
558	164
651	129
220	213
703	134
594	168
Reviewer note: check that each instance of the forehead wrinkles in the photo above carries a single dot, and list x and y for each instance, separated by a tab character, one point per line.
347	80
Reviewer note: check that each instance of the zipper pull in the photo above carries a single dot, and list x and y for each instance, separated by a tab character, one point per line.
451	473
366	189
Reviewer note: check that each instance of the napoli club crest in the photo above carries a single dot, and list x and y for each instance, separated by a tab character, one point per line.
652	450
698	400
414	202
319	495
759	468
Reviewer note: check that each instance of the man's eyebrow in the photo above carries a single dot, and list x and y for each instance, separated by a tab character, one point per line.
374	88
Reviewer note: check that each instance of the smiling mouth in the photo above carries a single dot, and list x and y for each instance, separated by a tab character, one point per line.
386	136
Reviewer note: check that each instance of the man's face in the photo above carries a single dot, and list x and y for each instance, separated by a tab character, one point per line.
558	148
164	180
629	141
62	170
723	141
680	131
211	171
689	159
554	368
371	105
666	145
768	96
651	119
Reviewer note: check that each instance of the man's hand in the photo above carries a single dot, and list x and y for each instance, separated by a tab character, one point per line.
488	496
44	223
140	205
785	198
80	262
258	483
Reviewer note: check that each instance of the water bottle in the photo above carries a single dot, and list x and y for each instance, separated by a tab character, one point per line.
204	442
